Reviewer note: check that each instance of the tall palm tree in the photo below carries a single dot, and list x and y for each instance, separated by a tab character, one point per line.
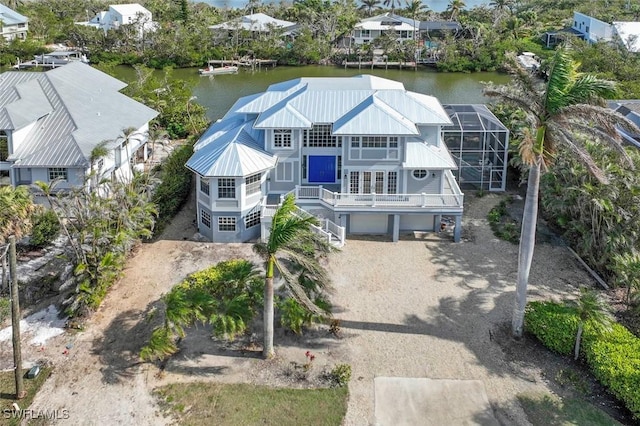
292	249
414	8
369	6
454	8
391	4
565	110
592	309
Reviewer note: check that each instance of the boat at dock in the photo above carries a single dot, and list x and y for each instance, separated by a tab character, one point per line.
52	60
211	70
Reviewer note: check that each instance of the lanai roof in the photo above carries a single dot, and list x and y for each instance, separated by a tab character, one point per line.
11	17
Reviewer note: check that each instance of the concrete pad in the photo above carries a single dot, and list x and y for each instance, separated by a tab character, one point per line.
403	401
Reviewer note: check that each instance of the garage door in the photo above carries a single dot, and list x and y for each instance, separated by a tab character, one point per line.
416	222
368	224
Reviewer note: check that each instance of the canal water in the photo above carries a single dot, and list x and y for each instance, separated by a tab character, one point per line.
218	93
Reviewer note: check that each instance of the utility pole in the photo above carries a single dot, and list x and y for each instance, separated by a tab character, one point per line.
15	318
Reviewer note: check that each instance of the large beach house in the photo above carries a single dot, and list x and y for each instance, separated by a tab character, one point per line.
362	153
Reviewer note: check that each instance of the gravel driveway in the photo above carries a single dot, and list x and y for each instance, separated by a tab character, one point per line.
423	307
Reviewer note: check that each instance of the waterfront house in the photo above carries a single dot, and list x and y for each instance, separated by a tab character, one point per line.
369	29
51	121
594	30
363	153
12	24
120	15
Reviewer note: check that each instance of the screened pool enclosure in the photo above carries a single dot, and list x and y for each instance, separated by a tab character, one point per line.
478	142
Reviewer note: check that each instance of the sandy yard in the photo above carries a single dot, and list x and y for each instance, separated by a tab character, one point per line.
422	307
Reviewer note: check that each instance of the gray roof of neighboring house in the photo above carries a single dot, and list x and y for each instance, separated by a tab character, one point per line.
75	107
11	17
440	26
235	153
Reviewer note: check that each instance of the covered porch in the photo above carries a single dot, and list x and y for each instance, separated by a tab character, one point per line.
394	206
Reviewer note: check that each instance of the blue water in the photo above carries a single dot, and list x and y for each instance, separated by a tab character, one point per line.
434	5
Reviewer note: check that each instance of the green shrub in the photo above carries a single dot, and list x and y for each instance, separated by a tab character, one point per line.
614	356
340	374
614	359
294	316
174	187
46	228
555	325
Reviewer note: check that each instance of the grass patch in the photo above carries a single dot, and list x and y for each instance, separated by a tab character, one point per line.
8	390
241	404
548	410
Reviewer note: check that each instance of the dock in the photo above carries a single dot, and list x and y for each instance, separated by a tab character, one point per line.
51	60
252	63
380	64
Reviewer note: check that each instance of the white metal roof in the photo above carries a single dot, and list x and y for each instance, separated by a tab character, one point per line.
11	17
420	155
629	33
361	105
374	117
387	21
254	22
75	106
232	154
129	9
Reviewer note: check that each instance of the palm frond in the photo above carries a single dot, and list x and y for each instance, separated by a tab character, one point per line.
297	290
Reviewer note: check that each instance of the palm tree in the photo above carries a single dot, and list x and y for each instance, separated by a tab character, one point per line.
369	6
591	309
414	8
16	209
292	249
565	110
391	4
454	8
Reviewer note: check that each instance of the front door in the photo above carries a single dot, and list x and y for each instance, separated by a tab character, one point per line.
322	169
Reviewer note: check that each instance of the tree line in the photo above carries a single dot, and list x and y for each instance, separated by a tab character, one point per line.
184	38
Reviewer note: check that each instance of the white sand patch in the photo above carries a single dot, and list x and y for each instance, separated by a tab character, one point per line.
41	326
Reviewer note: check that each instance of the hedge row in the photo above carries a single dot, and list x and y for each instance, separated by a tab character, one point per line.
175	185
614	357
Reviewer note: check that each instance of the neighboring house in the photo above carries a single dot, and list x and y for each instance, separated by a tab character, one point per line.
594	30
123	14
363	153
256	24
12	24
367	30
591	29
51	121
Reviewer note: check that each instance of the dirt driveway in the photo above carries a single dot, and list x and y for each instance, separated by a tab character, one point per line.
423	307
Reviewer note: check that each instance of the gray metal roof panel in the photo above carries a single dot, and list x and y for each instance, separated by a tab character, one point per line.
420	155
233	155
86	109
11	17
374	117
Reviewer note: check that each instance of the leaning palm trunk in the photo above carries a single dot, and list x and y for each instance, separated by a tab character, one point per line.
527	244
576	351
267	349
